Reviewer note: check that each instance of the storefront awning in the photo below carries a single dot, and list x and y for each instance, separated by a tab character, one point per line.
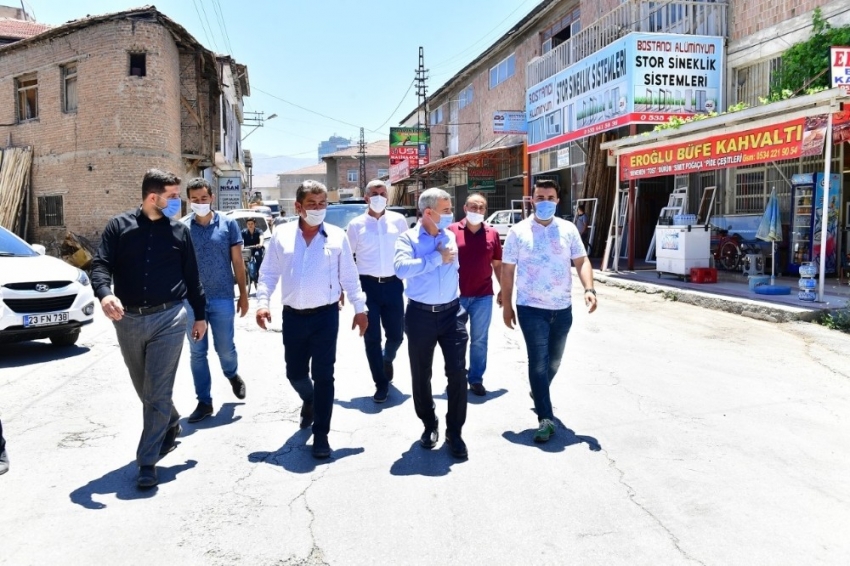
487	152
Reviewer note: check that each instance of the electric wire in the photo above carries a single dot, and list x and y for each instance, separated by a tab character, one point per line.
219	12
403	98
203	27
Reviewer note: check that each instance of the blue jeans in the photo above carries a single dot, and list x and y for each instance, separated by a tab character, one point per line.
480	311
309	349
151	346
545	332
220	316
385	303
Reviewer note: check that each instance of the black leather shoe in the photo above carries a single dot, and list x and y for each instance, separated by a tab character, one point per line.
321	448
306	414
238	387
429	438
388	370
457	446
147	477
4	462
201	412
380	395
478	389
169	443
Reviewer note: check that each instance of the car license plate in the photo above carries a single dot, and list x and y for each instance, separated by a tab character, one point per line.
45	319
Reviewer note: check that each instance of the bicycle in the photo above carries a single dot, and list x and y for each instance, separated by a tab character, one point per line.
731	252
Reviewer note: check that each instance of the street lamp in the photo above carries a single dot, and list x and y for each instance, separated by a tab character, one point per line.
260	121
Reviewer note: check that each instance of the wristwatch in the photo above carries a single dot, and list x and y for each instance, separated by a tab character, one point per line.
590	291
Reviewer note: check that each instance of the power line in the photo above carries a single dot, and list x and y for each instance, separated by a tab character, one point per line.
222	25
308	110
404	96
204	10
203	27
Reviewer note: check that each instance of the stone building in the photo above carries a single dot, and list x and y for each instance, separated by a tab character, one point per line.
102	99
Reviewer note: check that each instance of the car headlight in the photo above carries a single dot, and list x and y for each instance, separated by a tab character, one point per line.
82	278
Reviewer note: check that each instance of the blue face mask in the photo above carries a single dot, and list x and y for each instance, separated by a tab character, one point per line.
545	209
172	208
445	220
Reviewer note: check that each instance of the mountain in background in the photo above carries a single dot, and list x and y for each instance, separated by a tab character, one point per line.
267	164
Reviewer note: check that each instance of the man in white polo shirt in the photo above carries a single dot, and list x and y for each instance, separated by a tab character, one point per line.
538	250
372	236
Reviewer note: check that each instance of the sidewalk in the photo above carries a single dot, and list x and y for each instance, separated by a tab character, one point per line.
731	293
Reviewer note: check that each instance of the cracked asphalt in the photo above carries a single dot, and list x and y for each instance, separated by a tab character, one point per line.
686	436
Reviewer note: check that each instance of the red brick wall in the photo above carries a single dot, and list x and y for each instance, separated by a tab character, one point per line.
346	163
746	18
124	125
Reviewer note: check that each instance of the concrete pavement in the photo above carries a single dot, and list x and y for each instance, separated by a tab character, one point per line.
688	436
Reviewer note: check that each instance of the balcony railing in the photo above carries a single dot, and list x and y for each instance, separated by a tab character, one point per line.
688	17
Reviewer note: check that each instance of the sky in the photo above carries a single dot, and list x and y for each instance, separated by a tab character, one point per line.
325	67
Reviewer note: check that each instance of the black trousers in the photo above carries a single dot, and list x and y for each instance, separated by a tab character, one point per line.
424	331
2	440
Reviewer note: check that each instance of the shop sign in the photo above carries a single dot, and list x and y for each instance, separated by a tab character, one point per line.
399	171
840	59
786	140
229	193
412	144
564	157
481	179
509	122
643	78
841	127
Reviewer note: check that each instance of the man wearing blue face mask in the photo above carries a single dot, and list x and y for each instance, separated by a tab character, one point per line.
538	251
426	256
152	261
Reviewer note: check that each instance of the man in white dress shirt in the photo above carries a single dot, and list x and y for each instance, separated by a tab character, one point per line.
313	263
372	236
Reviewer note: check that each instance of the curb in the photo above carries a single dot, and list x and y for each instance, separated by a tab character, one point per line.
758	310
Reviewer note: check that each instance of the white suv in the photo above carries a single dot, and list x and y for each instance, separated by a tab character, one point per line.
41	296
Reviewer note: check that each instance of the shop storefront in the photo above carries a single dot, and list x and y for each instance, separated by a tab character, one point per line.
726	167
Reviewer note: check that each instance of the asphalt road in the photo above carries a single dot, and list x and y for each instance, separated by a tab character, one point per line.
687	436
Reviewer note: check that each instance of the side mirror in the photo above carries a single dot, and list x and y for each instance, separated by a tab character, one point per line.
41	250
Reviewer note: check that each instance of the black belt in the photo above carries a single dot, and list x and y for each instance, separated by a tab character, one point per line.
305	312
433	308
153	309
386	279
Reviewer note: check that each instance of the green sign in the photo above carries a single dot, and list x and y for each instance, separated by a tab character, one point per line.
481	179
412	144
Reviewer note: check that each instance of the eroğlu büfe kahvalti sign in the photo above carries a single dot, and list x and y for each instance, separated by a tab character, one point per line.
643	78
787	140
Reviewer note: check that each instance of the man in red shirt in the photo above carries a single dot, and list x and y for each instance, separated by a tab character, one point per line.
479	255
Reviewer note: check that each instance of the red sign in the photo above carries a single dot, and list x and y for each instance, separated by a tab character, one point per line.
399	171
409	154
786	140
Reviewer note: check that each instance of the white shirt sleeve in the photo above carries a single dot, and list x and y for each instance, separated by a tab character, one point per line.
350	279
270	272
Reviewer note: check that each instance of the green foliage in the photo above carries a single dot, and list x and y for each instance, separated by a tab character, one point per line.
675	122
837	319
805	66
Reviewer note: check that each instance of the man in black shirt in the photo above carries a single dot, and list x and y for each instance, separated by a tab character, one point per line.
151	259
252	240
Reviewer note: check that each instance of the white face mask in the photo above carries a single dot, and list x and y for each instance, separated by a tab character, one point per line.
474	218
315	217
377	203
200	209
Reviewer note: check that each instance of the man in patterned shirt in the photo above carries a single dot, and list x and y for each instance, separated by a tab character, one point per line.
538	250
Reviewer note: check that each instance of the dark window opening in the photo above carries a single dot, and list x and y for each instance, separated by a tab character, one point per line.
51	211
138	67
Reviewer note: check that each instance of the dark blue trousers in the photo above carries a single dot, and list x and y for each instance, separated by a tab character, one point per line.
385	303
309	349
424	331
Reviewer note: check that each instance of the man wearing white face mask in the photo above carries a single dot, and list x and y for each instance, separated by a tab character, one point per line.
479	254
372	236
313	263
218	246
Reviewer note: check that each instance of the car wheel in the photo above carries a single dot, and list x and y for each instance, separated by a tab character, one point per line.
66	339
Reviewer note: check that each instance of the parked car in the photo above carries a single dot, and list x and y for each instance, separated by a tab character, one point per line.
341	214
409	213
283	220
502	220
41	296
241	215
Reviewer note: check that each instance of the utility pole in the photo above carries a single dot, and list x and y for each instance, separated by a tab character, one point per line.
422	106
362	153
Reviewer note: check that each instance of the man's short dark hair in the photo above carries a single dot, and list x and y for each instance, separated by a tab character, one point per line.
198	183
580	208
309	187
251	220
156	180
547	184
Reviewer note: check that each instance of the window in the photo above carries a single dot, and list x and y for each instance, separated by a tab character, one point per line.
138	67
51	211
27	87
69	87
353	175
564	28
503	71
437	115
466	96
383	172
